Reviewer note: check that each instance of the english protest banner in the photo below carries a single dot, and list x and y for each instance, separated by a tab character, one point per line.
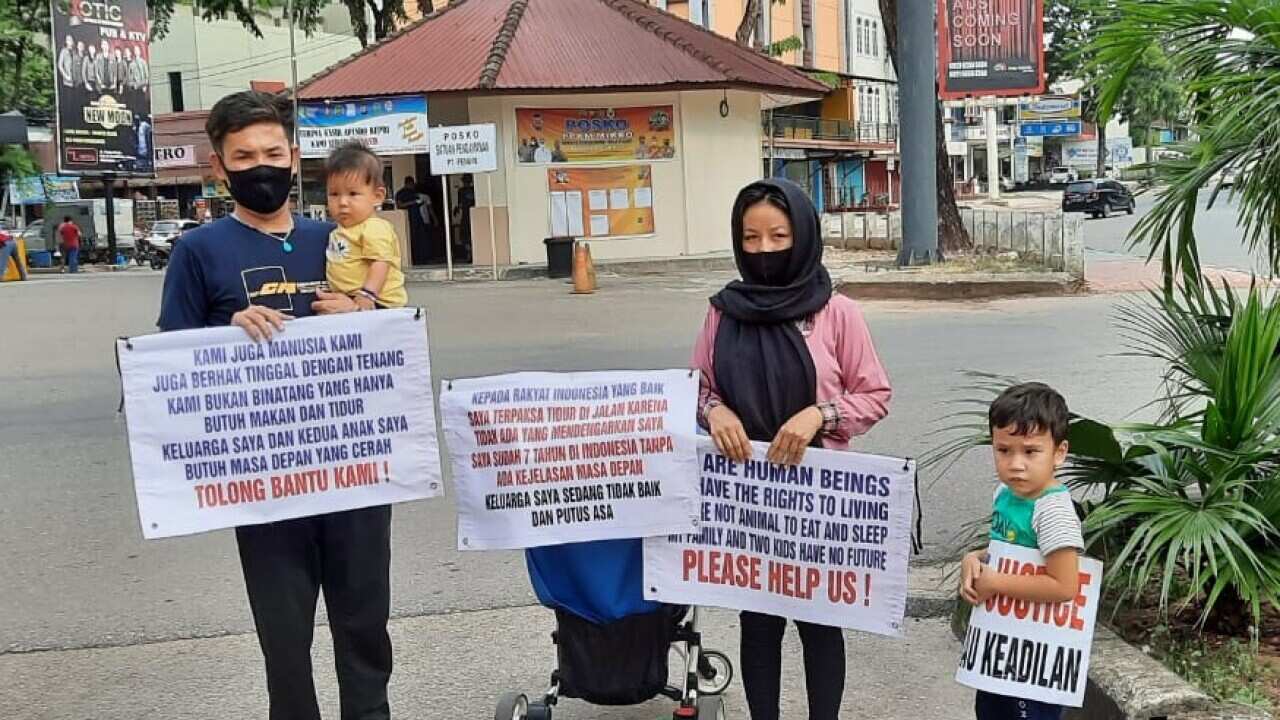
1037	651
826	541
336	413
550	458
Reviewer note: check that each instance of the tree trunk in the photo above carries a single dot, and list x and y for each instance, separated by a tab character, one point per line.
749	23
426	7
952	235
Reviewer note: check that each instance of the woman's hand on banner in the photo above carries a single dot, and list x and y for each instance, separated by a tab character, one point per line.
332	303
729	435
260	322
789	445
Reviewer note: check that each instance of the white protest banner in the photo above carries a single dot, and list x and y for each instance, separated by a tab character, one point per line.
464	149
1037	651
334	414
550	458
826	541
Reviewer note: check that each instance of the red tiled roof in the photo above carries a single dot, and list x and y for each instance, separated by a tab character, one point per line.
511	46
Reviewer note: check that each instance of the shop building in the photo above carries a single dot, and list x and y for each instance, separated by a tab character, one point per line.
616	122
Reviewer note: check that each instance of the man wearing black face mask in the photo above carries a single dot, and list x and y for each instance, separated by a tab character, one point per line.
255	269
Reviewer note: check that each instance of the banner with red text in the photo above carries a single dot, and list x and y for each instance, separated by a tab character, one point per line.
827	541
335	413
1037	651
550	458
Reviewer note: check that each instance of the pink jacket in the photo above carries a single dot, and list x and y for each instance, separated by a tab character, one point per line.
853	389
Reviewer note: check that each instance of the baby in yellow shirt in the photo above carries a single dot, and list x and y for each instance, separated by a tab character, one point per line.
364	252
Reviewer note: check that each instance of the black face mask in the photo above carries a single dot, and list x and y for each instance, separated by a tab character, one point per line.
766	268
263	188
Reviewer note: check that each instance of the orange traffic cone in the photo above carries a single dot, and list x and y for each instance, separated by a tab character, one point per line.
591	268
581	275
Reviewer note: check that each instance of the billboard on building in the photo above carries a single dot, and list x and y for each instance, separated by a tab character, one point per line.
1084	154
102	64
990	48
547	136
387	125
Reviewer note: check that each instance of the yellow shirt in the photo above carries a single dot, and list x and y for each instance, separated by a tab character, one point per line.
352	249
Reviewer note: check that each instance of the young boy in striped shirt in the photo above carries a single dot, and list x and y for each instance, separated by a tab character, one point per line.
1032	509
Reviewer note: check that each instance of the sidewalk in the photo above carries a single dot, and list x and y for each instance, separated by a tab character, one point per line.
1112	274
455	665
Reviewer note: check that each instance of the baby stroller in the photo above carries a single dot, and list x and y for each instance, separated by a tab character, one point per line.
612	645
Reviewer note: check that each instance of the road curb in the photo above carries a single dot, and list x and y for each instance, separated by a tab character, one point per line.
1047	284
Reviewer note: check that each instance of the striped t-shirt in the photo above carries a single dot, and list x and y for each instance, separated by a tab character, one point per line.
1047	523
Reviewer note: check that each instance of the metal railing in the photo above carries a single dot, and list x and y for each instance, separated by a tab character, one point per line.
1048	240
810	128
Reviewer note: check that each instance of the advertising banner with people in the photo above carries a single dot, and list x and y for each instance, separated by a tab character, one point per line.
336	413
827	541
551	458
1038	651
990	48
103	80
601	202
548	136
387	125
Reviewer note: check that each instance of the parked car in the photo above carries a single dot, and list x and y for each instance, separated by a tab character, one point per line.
1097	197
157	245
1062	175
164	232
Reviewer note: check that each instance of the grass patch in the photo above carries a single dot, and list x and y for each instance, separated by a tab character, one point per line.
1228	670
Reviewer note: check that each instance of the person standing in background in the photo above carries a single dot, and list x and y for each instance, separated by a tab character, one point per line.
69	244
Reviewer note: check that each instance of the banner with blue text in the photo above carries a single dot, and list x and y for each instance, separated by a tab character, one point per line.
336	413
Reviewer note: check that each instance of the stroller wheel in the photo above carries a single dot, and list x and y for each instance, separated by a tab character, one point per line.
710	707
715	672
539	711
512	706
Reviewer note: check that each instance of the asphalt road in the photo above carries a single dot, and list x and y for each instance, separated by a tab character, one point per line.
76	572
1219	236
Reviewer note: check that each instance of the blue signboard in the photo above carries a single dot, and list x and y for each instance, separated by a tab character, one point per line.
386	125
1051	128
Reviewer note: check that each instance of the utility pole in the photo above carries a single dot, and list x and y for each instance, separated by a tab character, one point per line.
917	59
993	150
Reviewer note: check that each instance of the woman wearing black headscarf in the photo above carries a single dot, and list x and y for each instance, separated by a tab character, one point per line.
786	362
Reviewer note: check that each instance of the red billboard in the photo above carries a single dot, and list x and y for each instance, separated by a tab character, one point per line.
990	48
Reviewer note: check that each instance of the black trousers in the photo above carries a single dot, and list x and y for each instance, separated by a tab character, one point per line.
286	564
761	661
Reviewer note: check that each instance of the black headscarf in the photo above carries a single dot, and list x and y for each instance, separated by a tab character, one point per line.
762	365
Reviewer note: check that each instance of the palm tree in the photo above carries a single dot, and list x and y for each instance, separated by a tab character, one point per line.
1227	53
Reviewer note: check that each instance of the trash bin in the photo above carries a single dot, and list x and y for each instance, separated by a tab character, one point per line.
40	259
559	257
